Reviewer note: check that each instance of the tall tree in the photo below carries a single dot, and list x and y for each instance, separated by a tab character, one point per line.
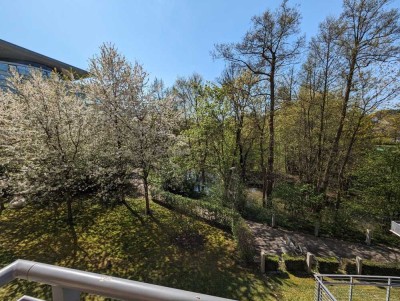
189	93
371	36
108	90
51	133
136	115
271	45
150	125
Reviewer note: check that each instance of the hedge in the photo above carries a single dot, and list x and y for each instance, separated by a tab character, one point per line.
271	263
328	265
295	263
350	267
214	214
380	268
244	239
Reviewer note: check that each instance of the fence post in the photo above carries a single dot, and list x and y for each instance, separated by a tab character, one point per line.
359	265
318	291
273	220
64	294
368	237
388	289
262	262
310	261
351	289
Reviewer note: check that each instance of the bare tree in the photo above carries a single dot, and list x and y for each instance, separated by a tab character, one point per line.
371	35
266	49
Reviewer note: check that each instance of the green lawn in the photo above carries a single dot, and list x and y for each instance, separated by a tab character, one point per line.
140	248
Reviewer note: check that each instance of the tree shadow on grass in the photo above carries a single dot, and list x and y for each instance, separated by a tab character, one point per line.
133	212
137	248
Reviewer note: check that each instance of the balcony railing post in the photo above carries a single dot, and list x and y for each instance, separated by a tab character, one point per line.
65	294
388	289
318	292
351	289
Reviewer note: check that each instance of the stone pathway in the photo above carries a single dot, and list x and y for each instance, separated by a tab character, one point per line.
272	240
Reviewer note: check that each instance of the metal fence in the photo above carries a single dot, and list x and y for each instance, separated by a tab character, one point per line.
356	288
68	284
321	291
395	227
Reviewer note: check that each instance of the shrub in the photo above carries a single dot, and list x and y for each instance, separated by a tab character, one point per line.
328	265
256	213
295	263
245	240
210	212
350	267
381	268
272	263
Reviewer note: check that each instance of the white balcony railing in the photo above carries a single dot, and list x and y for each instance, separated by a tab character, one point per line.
356	287
67	284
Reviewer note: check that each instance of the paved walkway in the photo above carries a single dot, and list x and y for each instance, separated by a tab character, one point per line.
272	240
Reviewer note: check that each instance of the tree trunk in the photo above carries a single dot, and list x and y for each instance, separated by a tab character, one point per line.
70	217
346	159
335	147
322	119
262	167
271	145
146	192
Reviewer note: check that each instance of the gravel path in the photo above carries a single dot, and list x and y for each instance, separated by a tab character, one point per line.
273	240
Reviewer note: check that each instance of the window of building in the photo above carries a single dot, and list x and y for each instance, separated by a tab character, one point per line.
4	67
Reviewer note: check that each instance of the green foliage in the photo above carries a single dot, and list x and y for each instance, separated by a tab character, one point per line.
350	267
176	179
245	240
299	198
377	181
139	247
211	212
328	265
231	195
378	268
257	213
215	214
294	263
271	263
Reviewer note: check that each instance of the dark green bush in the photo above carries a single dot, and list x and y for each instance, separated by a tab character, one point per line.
245	240
272	263
295	263
381	268
328	265
350	267
256	213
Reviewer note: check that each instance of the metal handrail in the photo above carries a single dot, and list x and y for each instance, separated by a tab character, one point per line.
321	286
369	280
325	280
68	283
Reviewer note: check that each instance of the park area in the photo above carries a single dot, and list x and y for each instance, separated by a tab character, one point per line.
166	248
125	243
247	184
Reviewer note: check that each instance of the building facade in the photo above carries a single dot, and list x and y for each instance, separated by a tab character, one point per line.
22	60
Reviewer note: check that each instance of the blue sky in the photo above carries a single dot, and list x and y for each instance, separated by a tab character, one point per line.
170	38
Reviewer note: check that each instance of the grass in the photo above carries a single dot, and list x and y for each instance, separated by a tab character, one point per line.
145	249
139	247
289	287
